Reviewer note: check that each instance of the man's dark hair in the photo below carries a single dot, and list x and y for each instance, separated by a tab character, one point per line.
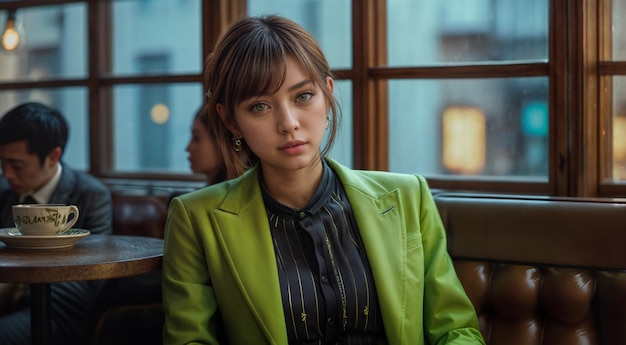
43	128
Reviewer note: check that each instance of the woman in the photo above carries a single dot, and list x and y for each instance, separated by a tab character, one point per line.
300	249
204	156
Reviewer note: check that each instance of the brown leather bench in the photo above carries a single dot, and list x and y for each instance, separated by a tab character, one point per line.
541	270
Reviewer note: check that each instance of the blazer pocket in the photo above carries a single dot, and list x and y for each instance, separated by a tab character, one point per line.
414	242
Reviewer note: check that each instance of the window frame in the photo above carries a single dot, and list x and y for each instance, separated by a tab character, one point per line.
607	68
579	157
371	76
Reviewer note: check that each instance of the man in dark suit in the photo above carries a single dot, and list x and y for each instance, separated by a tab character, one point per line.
32	141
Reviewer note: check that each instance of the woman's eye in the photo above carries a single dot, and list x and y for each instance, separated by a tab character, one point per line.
303	97
259	107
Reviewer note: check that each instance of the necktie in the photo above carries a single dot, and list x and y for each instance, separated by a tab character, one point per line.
29	200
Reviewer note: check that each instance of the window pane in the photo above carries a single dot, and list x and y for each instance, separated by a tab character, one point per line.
53	43
619	128
476	127
329	21
619	30
169	31
152	126
426	32
72	103
342	150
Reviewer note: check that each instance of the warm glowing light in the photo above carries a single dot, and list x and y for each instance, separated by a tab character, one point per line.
160	113
464	140
10	39
619	139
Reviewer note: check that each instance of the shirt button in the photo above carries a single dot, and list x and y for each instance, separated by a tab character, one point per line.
325	279
302	215
331	321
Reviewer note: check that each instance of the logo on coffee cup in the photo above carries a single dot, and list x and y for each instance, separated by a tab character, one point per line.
52	216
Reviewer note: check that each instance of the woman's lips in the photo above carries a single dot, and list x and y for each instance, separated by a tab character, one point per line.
293	147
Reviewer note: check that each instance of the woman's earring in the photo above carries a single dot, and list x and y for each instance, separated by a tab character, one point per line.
327	121
237	143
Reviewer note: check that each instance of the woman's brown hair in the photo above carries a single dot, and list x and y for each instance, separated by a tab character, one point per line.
250	59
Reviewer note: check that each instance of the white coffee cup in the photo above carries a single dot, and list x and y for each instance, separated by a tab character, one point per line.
44	219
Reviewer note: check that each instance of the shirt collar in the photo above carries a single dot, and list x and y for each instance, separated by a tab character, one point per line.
317	201
44	194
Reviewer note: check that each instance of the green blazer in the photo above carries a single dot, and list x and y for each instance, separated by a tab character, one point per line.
220	281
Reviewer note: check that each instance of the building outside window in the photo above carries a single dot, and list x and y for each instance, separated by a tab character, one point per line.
473	80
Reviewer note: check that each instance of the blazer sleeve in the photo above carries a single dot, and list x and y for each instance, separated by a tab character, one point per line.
189	303
449	316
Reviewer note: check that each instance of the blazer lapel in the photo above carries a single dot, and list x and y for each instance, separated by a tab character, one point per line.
378	214
67	182
247	243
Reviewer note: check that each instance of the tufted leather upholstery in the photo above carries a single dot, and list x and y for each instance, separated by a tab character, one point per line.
541	270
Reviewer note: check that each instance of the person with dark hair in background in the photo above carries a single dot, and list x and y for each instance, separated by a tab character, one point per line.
32	141
204	157
300	249
203	154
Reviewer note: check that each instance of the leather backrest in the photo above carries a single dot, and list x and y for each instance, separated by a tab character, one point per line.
138	215
541	270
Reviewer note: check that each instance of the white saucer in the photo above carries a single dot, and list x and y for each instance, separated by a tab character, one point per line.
14	239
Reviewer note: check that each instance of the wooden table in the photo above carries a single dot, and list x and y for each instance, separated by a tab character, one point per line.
93	257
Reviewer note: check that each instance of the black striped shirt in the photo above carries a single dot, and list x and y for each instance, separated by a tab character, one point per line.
326	284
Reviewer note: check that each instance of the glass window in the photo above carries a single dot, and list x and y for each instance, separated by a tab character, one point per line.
426	32
72	103
450	114
329	21
168	28
618	143
53	43
470	127
618	30
619	128
152	124
343	147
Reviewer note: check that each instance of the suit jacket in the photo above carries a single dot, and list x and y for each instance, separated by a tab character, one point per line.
220	277
91	196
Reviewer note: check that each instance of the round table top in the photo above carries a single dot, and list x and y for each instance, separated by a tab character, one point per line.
92	257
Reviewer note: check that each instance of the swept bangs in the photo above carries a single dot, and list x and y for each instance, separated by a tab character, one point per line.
260	61
260	65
